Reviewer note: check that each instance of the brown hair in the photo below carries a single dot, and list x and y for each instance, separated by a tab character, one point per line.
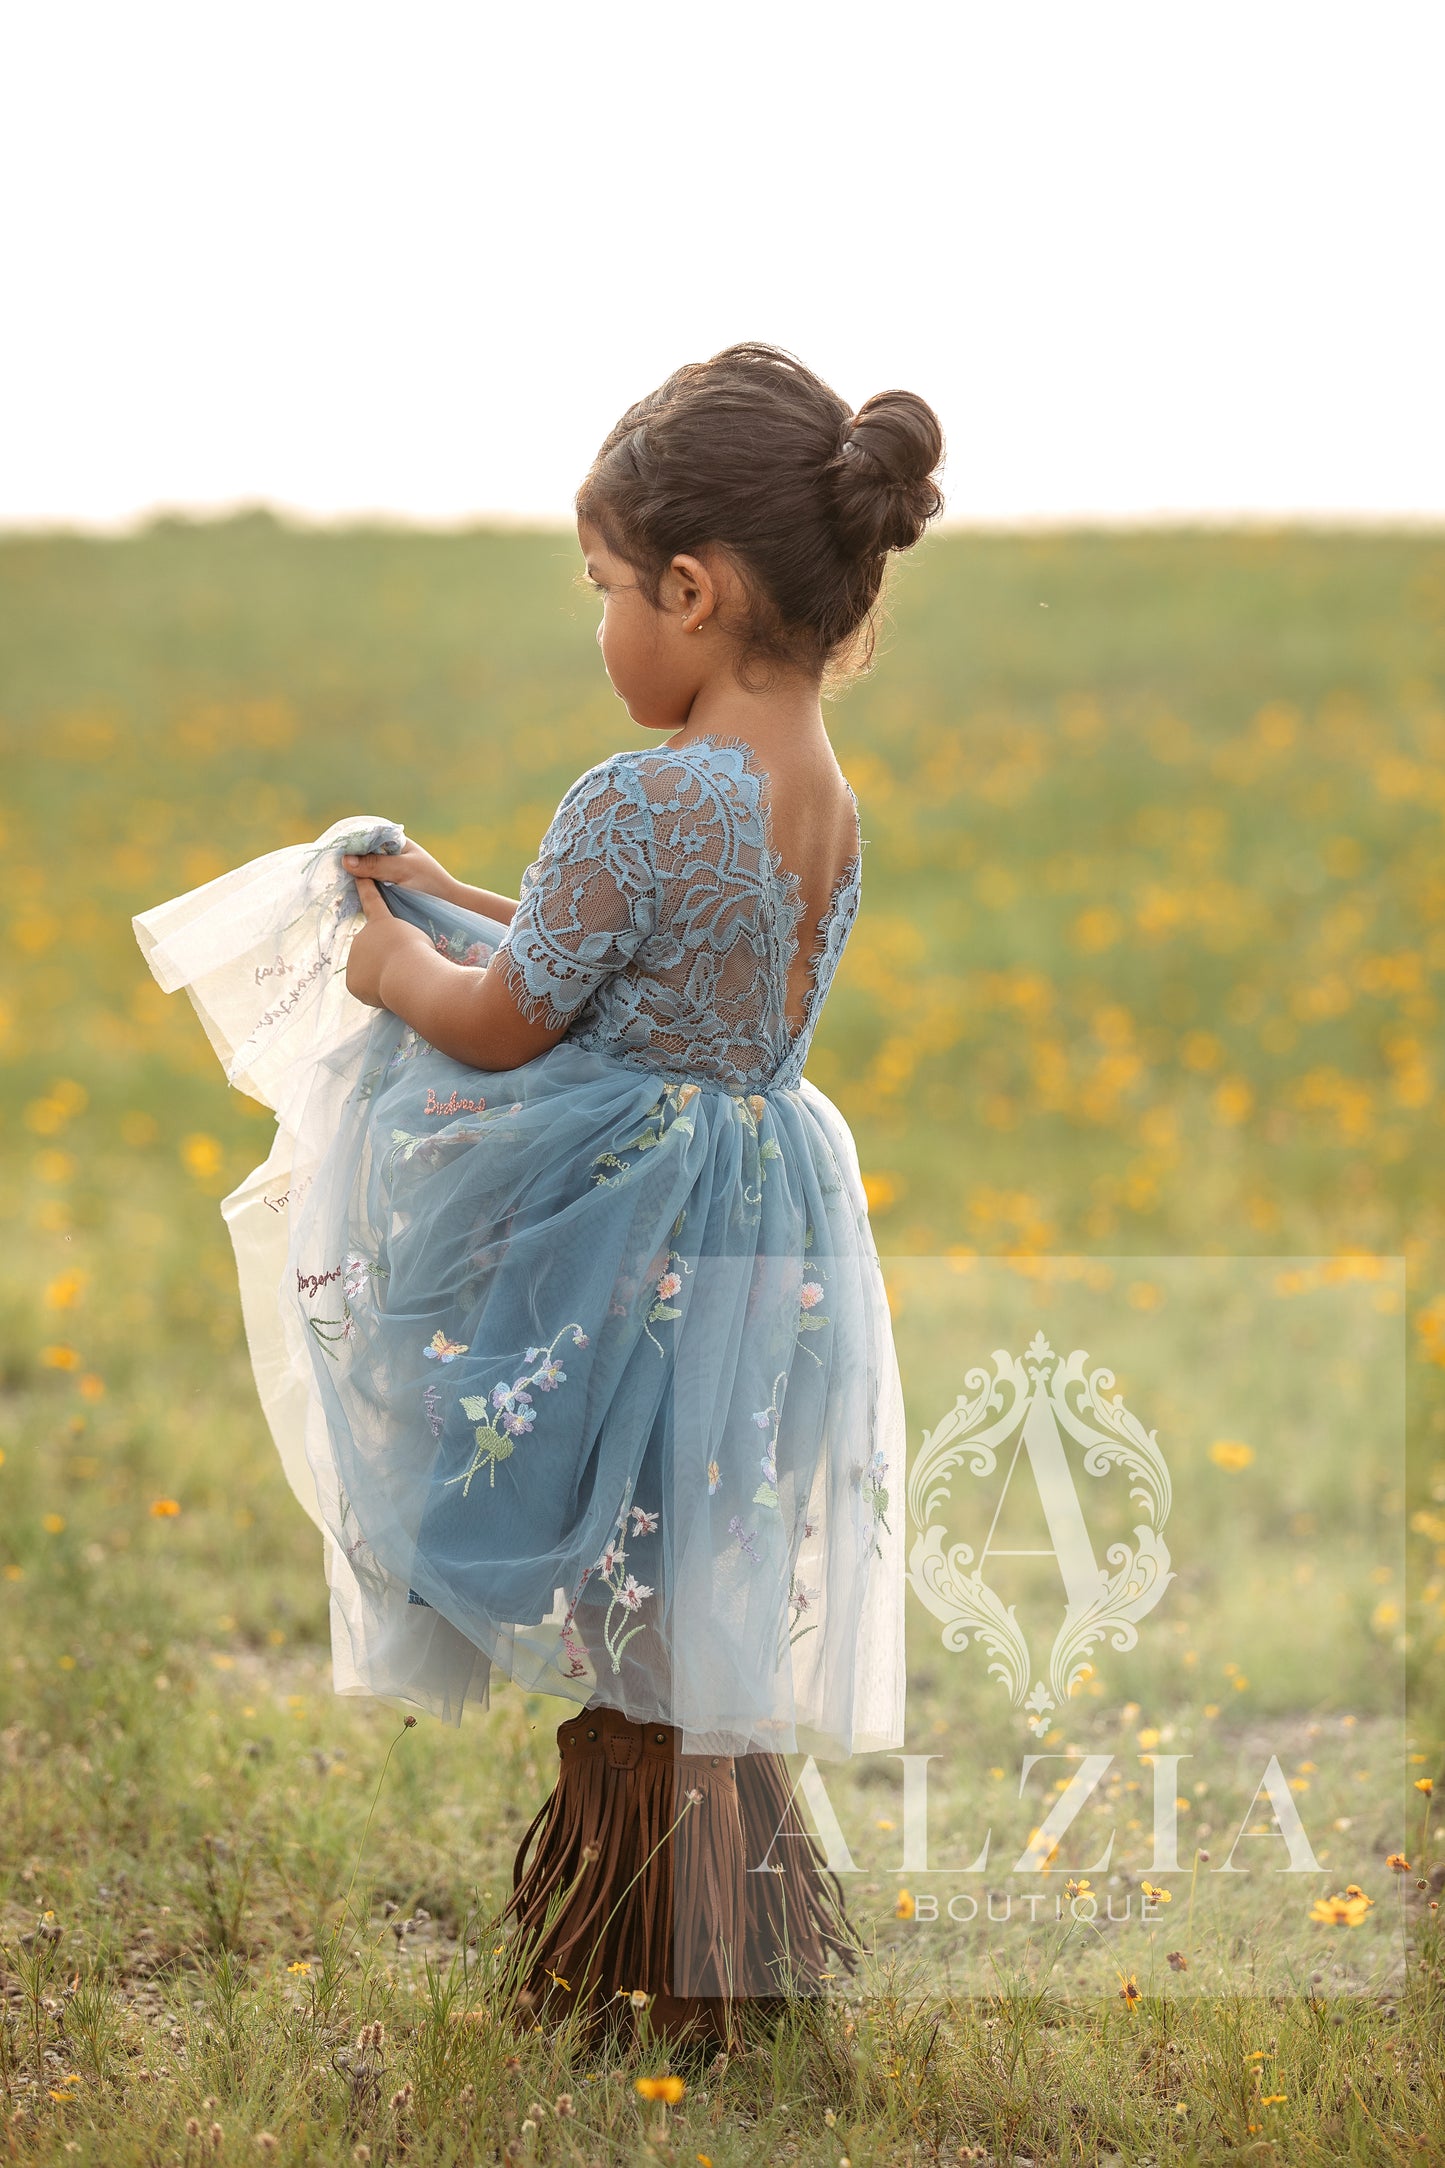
752	453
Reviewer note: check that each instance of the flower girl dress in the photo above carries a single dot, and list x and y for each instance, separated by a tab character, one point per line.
584	1368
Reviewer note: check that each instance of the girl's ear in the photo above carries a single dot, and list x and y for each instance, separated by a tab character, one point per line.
691	590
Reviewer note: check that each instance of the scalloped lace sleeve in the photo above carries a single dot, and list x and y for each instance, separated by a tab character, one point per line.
588	901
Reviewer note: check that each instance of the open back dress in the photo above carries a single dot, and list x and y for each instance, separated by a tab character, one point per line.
585	1368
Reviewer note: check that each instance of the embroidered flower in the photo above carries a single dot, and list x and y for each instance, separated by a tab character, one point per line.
745	1538
515	1413
714	1478
763	1418
518	1414
810	1294
354	1283
443	1350
668	1285
874	1492
579	1338
626	1591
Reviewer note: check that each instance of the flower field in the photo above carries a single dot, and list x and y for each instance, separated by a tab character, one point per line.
1150	967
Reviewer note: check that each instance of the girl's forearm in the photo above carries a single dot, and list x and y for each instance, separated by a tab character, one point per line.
484	902
463	1012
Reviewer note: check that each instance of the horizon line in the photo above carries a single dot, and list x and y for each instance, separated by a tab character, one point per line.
132	526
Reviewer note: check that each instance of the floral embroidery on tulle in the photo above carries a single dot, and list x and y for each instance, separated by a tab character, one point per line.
628	1596
627	1593
356	1276
431	1151
461	950
800	1600
358	1553
875	1496
757	1152
509	1414
665	1118
669	1284
746	1538
442	1350
408	1047
767	1420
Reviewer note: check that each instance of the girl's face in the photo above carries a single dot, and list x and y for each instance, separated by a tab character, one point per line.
658	659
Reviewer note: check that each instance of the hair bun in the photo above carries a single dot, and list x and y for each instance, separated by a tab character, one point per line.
882	478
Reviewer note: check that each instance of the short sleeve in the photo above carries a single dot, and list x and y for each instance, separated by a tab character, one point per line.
588	900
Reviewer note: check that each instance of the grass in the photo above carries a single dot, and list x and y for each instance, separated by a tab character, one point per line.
1147	975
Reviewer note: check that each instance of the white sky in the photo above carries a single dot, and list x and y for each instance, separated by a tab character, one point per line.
1162	258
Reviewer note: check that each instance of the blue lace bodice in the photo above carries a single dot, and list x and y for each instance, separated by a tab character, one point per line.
659	924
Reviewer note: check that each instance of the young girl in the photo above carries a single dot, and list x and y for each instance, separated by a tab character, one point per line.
583	1357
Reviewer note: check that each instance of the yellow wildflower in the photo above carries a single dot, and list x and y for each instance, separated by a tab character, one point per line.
666	2088
1340	1911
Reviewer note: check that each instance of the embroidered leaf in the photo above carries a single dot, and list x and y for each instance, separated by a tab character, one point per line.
476	1406
810	1320
491	1447
662	1309
765	1495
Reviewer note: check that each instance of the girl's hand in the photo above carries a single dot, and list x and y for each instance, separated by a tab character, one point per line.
411	867
377	943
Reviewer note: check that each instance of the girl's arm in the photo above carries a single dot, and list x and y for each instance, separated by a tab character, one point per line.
416	868
463	1012
482	901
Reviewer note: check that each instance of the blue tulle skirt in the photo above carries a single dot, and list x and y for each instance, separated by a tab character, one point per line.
589	1364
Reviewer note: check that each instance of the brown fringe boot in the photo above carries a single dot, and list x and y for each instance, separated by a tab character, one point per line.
639	1861
798	1935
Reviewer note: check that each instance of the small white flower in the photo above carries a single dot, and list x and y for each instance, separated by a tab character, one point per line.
632	1592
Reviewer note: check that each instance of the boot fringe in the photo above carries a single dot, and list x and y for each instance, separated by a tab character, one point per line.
637	1860
798	1933
643	1873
